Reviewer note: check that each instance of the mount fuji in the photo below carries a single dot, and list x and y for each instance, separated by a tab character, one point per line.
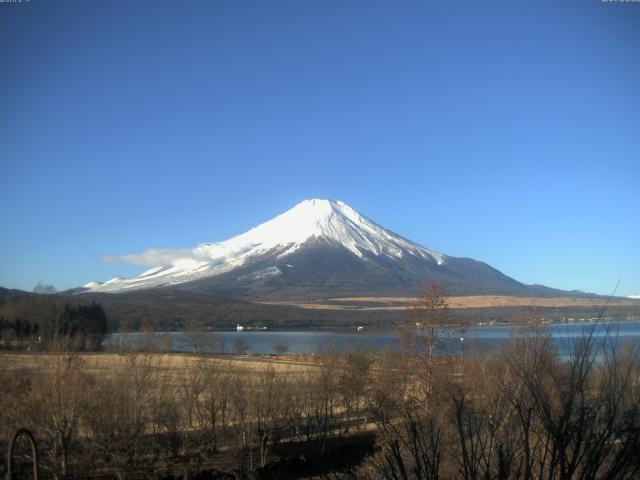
319	248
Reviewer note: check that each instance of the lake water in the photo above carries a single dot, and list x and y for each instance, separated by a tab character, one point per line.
310	341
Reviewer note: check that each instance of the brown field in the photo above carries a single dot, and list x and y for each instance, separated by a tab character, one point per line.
472	301
175	363
144	415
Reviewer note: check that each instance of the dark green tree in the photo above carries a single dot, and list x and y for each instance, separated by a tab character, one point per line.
84	325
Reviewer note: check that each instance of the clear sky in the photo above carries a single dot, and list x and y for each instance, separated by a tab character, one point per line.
505	131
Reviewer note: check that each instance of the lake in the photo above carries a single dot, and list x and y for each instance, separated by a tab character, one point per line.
313	341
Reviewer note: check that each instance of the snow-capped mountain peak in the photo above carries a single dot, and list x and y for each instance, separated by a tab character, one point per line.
318	219
309	221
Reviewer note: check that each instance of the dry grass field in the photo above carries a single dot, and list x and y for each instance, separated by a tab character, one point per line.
174	364
461	302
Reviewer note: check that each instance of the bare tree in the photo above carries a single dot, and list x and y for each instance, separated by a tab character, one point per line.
123	412
194	331
427	319
192	385
280	349
56	404
324	393
214	398
268	409
428	314
353	380
240	346
44	288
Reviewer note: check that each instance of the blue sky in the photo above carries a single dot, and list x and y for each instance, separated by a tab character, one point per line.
504	131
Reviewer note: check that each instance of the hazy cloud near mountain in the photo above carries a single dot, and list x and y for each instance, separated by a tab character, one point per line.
155	257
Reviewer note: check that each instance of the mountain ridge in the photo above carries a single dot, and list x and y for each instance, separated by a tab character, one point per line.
318	248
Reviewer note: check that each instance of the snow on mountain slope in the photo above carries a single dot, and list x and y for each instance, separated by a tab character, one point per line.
329	220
